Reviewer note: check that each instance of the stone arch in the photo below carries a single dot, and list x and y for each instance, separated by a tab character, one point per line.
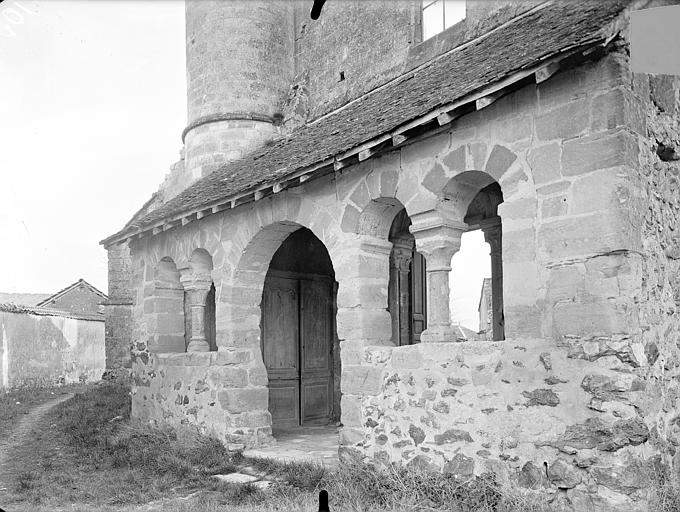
460	192
242	293
240	314
164	304
200	262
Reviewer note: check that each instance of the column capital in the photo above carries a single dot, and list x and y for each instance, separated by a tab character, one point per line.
402	253
436	237
196	281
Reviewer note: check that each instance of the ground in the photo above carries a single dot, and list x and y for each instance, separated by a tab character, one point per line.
76	449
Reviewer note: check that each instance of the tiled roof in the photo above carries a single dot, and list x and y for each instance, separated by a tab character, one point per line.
527	40
39	311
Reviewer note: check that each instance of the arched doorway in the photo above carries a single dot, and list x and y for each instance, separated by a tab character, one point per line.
407	301
298	339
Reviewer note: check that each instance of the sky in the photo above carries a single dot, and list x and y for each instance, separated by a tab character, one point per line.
92	106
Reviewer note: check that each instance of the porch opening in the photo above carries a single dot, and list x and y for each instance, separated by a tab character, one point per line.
407	293
476	278
298	334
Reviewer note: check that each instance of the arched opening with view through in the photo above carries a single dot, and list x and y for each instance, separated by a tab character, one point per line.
476	278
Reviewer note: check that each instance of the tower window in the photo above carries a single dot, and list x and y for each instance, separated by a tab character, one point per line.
438	15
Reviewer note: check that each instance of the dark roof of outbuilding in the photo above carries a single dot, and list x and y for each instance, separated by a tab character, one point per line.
527	40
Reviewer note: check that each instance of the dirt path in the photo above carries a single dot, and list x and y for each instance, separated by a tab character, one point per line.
16	454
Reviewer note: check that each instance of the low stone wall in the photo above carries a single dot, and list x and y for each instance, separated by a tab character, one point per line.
44	347
521	409
223	394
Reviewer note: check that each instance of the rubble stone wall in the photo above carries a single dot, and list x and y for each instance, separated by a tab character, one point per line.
522	409
658	175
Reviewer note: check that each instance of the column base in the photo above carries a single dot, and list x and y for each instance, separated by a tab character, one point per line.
439	334
198	346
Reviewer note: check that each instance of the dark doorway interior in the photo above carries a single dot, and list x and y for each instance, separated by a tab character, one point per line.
298	334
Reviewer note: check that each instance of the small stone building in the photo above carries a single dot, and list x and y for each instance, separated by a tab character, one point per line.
293	269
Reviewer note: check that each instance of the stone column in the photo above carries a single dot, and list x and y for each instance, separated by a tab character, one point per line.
438	240
400	266
493	236
197	292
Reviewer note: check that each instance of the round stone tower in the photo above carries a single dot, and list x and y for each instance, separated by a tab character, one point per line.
239	69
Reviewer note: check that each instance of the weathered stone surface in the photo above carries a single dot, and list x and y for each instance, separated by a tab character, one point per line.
595	433
500	159
460	466
626	478
416	433
598	151
541	397
453	435
236	478
607	387
563	475
243	400
564	122
532	477
423	463
360	380
441	407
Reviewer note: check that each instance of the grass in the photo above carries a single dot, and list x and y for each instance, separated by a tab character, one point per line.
17	402
95	458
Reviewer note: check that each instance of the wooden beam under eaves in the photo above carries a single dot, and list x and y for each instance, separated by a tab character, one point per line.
339	164
542	74
278	187
446	118
487	100
398	139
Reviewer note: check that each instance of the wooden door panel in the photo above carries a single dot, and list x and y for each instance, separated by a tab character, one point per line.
316	339
418	296
316	400
280	306
315	325
284	402
280	328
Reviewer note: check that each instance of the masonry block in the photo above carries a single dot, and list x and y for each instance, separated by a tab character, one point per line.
570	237
591	319
544	162
243	400
351	410
228	376
361	380
599	151
564	122
364	323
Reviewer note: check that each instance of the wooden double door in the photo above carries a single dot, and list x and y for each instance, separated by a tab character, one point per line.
297	341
